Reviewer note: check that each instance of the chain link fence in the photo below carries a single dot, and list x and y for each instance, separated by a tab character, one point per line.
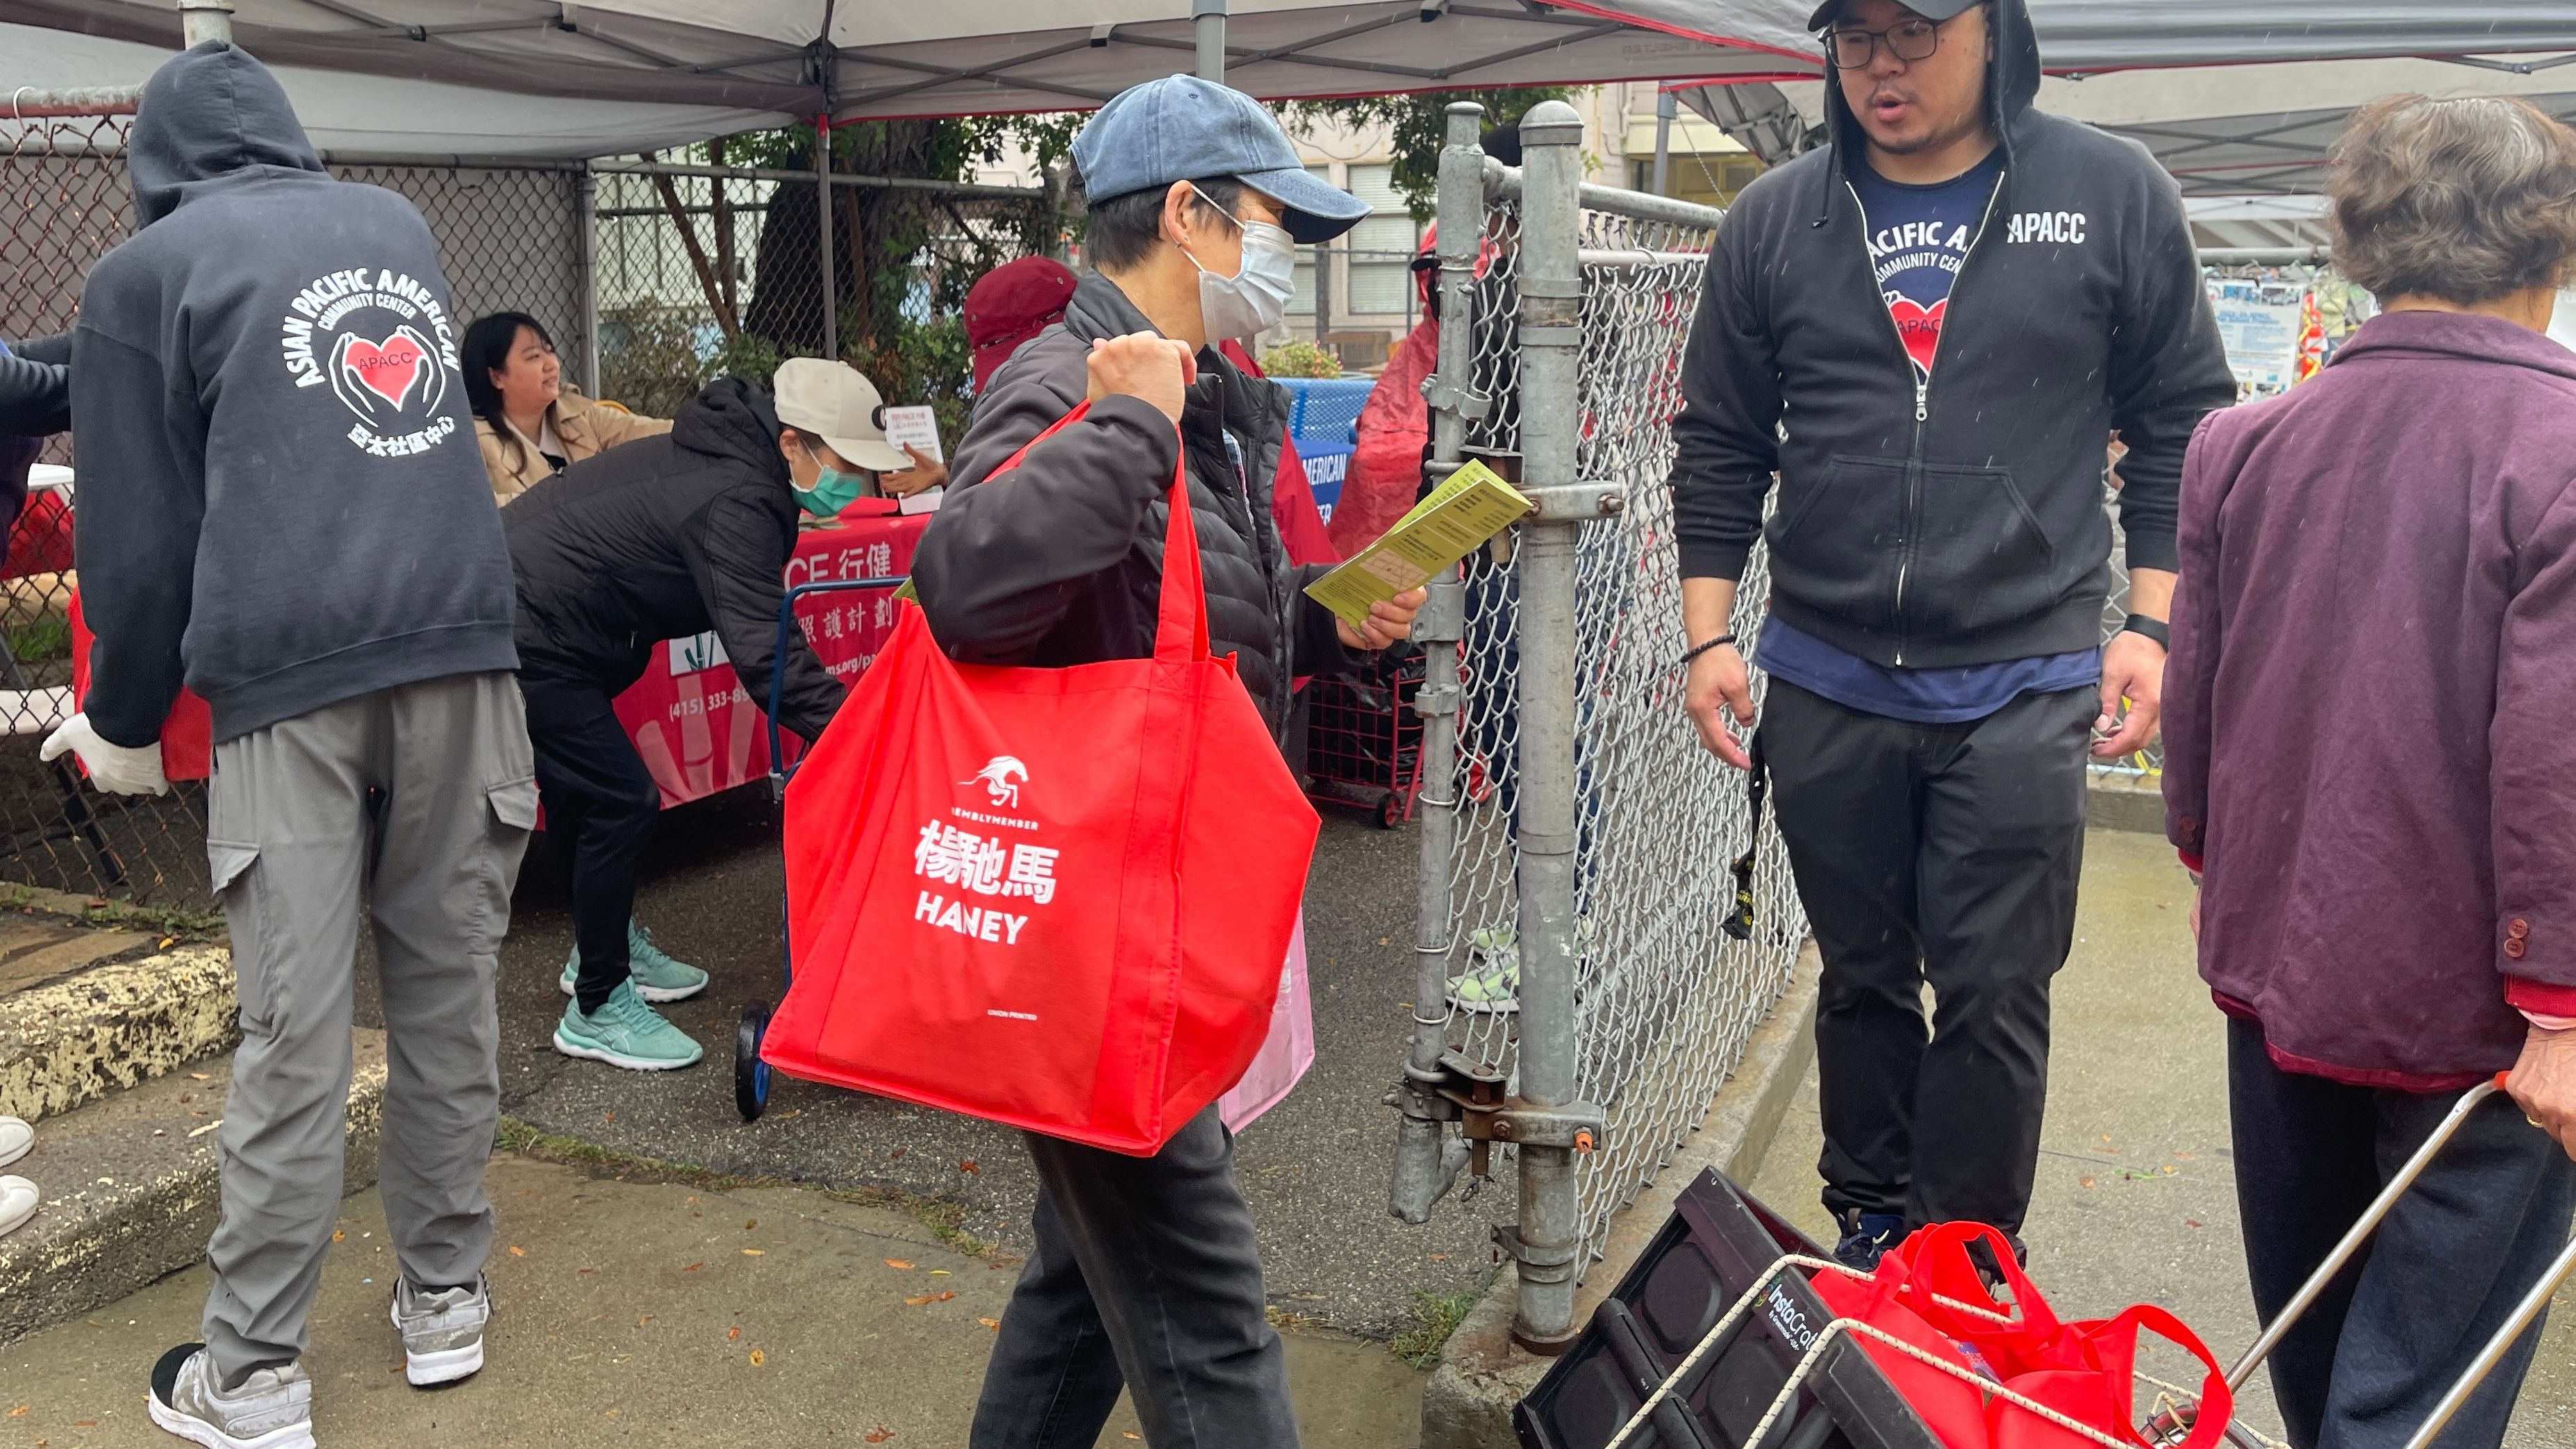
64	202
1615	876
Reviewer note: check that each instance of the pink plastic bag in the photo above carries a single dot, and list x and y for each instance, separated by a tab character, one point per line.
1285	1053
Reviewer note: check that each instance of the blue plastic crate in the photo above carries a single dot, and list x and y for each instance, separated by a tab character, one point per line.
1326	407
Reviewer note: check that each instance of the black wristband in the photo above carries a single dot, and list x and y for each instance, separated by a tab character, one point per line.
1696	650
2150	627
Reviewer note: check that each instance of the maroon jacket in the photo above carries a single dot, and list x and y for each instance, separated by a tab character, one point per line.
2370	713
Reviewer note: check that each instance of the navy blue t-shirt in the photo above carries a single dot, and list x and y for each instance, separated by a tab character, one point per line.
1918	236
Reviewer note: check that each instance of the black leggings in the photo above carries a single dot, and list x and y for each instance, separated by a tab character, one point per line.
600	802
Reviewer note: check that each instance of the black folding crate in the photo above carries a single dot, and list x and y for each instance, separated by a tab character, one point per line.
1718	1246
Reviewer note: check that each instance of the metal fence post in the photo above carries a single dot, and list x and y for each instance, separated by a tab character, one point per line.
823	236
585	271
1550	337
1427	1158
204	20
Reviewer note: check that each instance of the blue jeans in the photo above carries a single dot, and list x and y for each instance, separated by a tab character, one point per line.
2367	1364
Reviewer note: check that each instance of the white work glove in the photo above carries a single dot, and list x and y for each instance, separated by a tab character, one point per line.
116	769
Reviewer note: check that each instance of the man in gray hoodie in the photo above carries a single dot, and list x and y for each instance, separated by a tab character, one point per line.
282	506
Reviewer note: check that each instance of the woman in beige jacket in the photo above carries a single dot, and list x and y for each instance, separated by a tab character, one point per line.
530	425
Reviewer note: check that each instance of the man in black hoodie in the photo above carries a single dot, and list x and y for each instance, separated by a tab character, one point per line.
659	539
1928	332
282	506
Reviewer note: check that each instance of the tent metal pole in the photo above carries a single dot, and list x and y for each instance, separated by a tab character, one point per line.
585	200
823	236
204	20
1666	106
1207	18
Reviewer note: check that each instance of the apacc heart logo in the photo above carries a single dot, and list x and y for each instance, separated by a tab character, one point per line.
395	374
1920	327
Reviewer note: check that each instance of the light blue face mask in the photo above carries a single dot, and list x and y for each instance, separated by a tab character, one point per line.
834	489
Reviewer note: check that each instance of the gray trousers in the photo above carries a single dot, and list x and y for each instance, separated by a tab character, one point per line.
1146	1275
416	801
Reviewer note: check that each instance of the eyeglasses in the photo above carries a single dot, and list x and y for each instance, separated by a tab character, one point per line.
1907	40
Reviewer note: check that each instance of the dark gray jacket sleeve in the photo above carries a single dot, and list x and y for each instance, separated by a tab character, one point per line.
142	449
35	397
1727	434
2168	368
1005	557
735	550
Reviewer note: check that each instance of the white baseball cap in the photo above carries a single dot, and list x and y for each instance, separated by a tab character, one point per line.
835	402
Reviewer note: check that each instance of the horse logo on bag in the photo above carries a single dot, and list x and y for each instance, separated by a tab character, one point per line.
999	778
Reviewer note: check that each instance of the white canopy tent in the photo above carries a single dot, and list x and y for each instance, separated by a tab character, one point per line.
538	77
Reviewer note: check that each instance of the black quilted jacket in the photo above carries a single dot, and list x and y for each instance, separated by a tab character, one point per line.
1060	560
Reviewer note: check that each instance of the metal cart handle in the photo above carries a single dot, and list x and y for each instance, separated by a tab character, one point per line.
778	772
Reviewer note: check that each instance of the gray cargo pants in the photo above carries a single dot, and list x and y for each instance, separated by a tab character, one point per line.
417	800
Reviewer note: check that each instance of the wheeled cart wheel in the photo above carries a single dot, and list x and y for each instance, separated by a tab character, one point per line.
1390	810
750	1073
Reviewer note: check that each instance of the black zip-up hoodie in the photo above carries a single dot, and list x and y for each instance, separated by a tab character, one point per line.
1960	522
281	500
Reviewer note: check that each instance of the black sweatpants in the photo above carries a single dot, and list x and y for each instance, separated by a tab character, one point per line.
2372	1357
1145	1275
1946	853
600	802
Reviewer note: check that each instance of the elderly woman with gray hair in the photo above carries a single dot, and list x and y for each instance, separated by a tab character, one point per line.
2370	726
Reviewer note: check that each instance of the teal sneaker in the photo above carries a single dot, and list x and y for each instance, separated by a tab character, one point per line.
658	977
1492	980
625	1032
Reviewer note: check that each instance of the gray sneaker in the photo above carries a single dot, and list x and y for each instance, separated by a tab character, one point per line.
442	1331
273	1408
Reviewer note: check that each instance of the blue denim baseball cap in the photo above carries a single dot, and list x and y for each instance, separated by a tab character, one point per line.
1182	128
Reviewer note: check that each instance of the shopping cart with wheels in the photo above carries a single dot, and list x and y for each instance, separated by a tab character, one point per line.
750	1073
1718	1339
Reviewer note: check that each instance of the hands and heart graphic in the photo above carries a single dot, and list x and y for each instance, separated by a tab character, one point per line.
387	379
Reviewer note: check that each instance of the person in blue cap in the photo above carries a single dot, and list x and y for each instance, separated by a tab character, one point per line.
1145	1271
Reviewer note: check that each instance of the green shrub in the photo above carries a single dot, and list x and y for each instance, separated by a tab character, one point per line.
1299	358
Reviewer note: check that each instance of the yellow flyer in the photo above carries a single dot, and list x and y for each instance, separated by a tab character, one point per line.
1473	506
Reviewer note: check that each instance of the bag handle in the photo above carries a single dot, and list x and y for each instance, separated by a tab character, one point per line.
2114	1347
1938	1256
1181	613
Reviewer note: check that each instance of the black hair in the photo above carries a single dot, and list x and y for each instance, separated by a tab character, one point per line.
486	349
1122	231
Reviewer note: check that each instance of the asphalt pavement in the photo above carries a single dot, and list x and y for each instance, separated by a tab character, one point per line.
1315	1168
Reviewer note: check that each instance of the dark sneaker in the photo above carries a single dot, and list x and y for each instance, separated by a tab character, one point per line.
273	1408
1866	1239
442	1330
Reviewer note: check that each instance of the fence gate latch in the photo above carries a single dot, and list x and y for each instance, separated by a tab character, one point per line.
1575	502
1575	1127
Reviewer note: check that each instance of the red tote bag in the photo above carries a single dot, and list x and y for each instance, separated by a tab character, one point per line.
1052	898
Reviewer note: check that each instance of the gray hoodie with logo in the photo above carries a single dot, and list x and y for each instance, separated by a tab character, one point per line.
281	500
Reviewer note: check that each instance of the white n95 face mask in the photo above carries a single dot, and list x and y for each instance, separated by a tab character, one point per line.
1255	298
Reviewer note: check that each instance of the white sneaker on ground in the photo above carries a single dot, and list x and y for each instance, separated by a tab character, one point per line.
442	1331
273	1408
16	1137
17	1204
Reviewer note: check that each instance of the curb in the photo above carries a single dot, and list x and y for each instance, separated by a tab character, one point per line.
1467	1404
124	1208
2125	802
113	1026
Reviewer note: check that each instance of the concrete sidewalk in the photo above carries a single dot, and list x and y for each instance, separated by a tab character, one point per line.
2136	1194
631	1312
